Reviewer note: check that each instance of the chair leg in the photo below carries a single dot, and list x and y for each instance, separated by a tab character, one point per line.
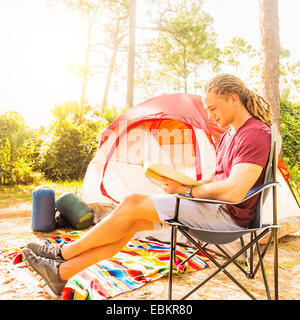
220	267
172	259
246	259
229	257
188	258
274	237
263	253
275	232
251	275
276	286
263	270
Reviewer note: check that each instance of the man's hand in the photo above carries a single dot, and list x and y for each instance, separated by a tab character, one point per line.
171	186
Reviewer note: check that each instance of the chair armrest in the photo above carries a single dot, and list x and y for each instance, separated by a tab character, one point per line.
252	192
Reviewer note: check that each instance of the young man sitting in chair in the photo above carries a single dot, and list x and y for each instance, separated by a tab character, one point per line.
242	153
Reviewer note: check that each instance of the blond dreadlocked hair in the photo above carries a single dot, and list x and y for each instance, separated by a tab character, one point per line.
226	84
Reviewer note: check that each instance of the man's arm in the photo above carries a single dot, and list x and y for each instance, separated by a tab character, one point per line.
233	189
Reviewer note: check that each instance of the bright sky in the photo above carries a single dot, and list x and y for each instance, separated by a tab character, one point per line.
38	44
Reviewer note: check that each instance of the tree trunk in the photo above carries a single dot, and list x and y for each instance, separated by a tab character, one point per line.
86	66
270	51
111	66
185	70
109	75
131	53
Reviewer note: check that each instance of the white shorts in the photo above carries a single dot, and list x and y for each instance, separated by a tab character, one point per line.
195	214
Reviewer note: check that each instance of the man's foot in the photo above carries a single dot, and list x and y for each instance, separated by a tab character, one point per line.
46	272
49	251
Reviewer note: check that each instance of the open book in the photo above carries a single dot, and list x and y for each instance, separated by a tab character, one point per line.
158	170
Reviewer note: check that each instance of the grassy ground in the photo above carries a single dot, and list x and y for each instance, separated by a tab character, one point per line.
12	195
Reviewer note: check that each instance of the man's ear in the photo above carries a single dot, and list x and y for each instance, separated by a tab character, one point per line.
234	99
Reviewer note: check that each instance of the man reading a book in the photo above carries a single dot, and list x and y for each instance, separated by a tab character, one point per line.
242	153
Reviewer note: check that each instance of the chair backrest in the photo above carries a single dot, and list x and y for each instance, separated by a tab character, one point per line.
270	174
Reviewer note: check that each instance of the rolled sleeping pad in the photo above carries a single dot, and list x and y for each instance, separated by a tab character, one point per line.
43	210
74	210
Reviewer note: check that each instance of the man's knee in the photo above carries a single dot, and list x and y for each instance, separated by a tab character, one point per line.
138	206
134	199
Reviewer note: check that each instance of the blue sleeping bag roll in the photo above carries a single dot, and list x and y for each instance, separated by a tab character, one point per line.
43	210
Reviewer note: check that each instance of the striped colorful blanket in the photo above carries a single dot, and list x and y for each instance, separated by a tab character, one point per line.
136	264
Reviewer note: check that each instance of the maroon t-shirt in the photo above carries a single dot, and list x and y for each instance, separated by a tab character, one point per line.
250	144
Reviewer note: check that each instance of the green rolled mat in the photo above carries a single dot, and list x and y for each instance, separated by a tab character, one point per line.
74	210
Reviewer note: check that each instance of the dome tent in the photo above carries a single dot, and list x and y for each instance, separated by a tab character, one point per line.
174	129
169	128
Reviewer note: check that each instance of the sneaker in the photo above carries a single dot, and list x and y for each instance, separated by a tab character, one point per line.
46	272
49	251
60	221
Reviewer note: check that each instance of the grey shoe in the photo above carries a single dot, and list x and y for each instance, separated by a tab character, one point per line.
49	251
46	272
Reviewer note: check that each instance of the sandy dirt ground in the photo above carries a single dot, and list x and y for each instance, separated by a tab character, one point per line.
15	231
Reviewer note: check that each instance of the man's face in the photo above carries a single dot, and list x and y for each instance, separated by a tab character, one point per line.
220	109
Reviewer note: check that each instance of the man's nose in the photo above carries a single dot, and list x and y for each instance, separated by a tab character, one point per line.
210	115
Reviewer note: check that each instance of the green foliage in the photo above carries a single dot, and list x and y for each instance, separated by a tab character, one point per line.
289	82
185	42
289	76
18	150
62	157
29	156
111	114
290	119
74	138
237	47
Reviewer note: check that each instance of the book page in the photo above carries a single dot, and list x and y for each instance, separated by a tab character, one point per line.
158	170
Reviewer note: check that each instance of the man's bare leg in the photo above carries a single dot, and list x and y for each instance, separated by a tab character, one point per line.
74	265
136	213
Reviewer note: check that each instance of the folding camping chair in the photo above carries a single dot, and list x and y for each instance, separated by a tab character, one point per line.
218	237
